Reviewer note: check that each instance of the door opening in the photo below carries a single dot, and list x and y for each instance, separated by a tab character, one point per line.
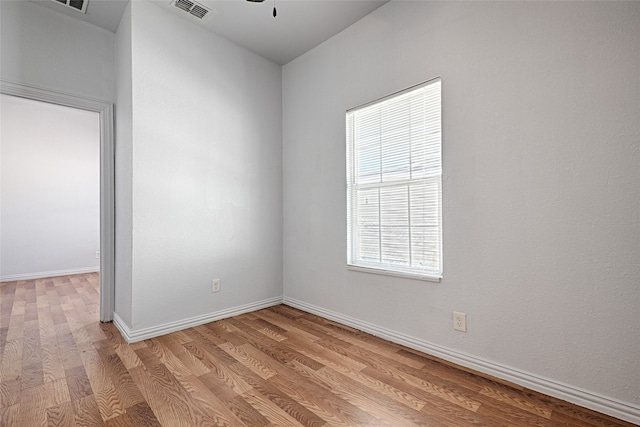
106	179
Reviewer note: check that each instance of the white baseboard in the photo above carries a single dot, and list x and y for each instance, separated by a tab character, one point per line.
132	336
45	274
587	399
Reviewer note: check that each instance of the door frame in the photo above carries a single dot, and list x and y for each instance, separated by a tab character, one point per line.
107	178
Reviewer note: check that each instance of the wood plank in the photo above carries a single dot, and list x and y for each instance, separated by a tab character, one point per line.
139	415
365	341
109	403
209	402
168	400
59	366
86	412
384	409
246	413
9	415
11	364
10	392
142	415
227	376
457	396
517	401
193	365
325	357
32	372
333	410
61	415
34	402
69	353
52	366
252	363
166	357
422	379
277	398
340	398
271	412
16	327
78	383
280	353
128	356
96	371
126	388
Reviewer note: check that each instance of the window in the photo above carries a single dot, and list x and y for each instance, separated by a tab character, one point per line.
394	186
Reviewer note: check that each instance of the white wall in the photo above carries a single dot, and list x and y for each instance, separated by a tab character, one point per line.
124	171
206	171
541	165
541	139
50	187
43	48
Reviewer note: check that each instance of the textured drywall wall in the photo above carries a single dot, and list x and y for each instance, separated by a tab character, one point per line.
123	171
50	189
207	171
43	48
541	170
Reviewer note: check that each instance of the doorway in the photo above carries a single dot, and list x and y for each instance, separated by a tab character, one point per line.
50	186
104	255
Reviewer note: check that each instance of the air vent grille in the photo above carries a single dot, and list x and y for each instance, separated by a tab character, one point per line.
195	9
184	5
199	11
79	5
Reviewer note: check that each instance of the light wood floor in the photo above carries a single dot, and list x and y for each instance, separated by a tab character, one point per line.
276	367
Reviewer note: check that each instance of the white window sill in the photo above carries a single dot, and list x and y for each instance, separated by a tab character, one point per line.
413	276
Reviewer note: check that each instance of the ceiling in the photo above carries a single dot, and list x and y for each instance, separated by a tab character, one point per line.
103	13
300	25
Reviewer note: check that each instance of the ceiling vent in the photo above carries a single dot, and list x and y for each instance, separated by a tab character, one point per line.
191	7
79	5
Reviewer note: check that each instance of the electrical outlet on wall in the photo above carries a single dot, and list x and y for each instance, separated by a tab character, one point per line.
215	285
459	321
97	254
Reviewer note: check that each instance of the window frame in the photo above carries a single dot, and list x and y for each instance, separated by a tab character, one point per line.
352	187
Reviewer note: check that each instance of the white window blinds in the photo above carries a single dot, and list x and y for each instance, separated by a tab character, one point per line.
394	168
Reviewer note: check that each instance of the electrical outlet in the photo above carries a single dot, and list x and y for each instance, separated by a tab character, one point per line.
215	285
97	254
459	321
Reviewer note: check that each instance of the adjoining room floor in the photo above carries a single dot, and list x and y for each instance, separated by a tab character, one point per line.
279	366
